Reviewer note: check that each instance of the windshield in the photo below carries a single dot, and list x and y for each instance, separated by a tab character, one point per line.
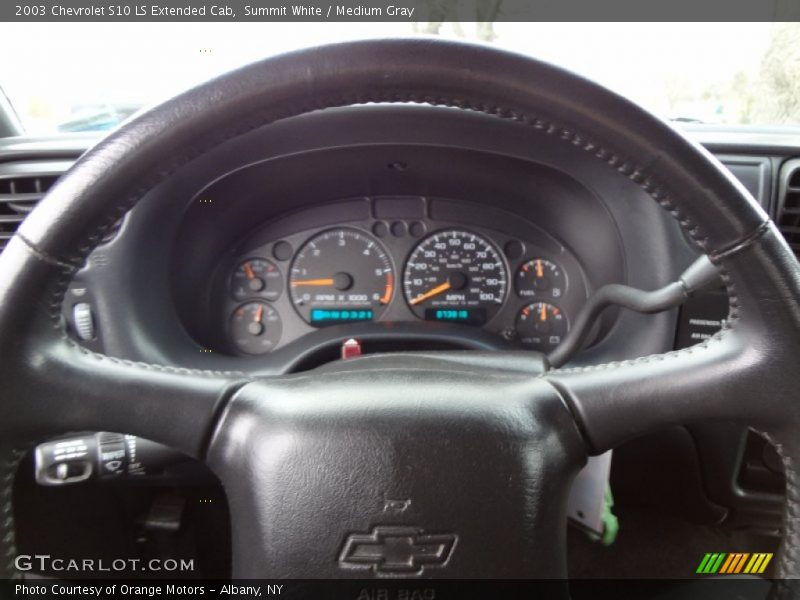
88	77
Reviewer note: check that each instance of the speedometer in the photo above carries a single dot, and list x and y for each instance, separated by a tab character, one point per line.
455	276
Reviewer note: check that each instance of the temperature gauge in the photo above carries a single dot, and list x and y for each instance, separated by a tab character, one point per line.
540	278
255	328
256	278
542	326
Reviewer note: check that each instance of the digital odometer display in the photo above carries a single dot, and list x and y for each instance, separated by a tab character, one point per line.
455	276
334	316
471	316
341	275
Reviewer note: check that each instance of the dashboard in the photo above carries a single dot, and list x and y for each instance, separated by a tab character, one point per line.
397	259
409	228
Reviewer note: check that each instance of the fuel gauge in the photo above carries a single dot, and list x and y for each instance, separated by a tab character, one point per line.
255	328
257	278
540	278
542	326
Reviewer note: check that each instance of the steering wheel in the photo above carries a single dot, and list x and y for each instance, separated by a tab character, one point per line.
433	464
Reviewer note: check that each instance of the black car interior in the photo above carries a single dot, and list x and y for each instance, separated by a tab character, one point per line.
179	303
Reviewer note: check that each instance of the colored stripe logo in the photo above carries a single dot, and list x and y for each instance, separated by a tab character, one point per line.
734	563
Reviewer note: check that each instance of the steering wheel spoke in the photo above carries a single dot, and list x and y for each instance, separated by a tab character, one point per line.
616	402
85	391
51	385
739	374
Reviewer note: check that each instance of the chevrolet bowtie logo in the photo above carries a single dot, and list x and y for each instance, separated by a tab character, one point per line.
391	549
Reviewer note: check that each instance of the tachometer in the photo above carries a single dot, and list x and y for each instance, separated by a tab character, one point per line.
455	276
341	276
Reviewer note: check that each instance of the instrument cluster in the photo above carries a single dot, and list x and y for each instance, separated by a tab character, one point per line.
283	283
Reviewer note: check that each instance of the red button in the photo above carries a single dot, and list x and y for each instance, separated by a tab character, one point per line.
351	348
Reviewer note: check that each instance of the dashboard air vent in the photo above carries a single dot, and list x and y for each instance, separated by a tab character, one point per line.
789	205
22	185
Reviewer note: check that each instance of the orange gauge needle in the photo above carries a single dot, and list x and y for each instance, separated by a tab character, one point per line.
387	294
259	313
248	270
430	293
539	269
299	282
543	312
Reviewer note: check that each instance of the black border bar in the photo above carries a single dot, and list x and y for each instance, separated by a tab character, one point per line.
398	10
705	588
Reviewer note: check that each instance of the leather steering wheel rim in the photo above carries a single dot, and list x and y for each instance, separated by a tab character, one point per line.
744	373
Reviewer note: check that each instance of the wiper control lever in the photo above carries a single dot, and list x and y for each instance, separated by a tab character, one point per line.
700	274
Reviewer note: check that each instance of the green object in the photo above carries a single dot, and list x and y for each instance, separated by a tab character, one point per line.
610	521
711	563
